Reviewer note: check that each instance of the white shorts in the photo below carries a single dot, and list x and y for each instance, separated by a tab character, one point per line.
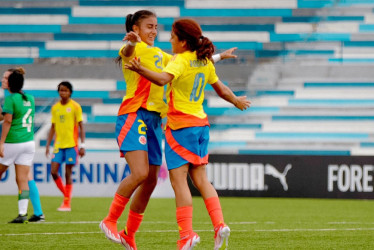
18	153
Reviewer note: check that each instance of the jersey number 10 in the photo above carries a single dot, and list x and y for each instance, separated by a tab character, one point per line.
198	84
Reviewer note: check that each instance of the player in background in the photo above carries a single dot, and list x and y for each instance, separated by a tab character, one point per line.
187	128
67	124
17	144
138	127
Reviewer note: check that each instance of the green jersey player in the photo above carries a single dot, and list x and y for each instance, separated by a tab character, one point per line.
17	144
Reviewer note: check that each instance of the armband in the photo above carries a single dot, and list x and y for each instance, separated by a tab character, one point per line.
216	58
132	43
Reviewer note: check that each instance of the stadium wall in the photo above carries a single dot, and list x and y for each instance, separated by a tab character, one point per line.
349	177
99	174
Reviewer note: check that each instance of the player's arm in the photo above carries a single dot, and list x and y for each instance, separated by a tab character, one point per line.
225	93
132	39
158	78
1	114
49	139
8	118
227	54
82	148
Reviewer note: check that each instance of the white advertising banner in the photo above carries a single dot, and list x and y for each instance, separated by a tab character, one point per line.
97	174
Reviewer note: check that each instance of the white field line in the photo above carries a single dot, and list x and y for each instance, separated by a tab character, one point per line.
313	229
174	231
232	223
146	222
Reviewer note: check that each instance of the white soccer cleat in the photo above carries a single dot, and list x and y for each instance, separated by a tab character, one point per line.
110	231
222	233
188	243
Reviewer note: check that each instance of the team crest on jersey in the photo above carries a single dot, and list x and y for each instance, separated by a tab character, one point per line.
142	140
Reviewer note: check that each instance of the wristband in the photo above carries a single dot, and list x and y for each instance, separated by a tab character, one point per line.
83	145
132	43
216	58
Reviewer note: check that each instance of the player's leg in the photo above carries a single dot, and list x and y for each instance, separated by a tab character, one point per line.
138	205
180	151
38	215
183	201
70	158
22	173
209	194
143	193
57	160
138	163
3	169
26	158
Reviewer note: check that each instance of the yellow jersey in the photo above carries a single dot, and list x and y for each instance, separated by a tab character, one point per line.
66	118
140	92
185	94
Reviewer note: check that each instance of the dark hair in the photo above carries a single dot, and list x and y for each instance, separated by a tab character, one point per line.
189	30
66	84
135	19
15	81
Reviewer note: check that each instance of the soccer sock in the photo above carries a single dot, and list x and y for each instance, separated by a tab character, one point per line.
35	198
184	220
116	208
215	211
133	223
23	201
68	192
60	185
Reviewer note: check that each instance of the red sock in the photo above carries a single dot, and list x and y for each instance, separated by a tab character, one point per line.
68	192
133	223
215	211
116	208
184	220
60	185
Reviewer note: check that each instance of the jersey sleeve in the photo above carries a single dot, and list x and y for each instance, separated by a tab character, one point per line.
176	66
78	113
167	57
8	105
53	112
213	78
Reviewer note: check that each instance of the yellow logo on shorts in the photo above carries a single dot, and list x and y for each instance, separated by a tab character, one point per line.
70	159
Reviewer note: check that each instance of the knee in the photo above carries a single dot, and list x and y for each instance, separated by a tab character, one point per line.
54	174
152	181
140	176
199	182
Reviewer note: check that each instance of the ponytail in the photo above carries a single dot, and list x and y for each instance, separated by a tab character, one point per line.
189	30
205	49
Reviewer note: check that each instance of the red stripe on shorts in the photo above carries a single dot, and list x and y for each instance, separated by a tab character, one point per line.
125	129
183	152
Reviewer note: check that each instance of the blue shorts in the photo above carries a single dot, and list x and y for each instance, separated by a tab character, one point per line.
140	130
186	145
67	155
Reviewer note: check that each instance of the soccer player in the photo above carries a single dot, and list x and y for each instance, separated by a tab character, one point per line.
138	127
17	144
187	127
66	119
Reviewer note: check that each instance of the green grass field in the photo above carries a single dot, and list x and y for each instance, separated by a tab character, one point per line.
256	223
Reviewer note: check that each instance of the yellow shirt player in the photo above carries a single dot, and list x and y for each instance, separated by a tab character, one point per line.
187	132
66	123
